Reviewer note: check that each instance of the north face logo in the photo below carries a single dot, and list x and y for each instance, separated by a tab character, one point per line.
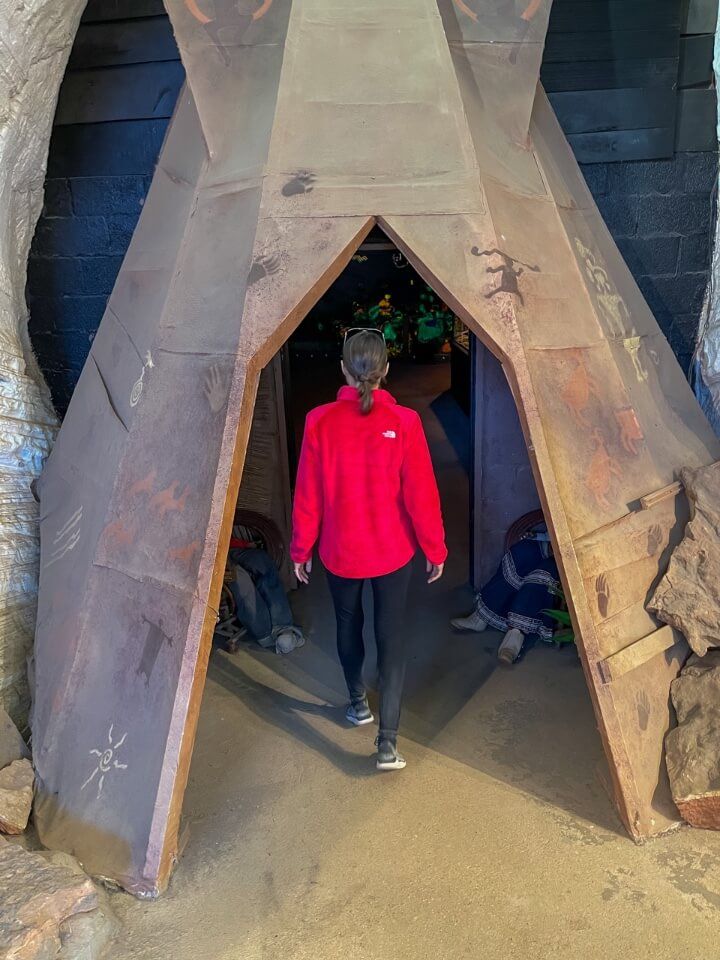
390	434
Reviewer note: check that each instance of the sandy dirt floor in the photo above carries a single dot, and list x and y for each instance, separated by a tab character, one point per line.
496	841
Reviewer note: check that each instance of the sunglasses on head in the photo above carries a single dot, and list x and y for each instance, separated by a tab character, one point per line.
354	330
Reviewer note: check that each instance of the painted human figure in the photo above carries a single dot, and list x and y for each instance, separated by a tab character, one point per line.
510	271
612	306
506	11
632	346
231	21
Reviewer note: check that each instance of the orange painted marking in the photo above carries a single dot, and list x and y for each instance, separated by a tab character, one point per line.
117	533
146	485
204	19
166	502
603	469
631	435
197	12
466	10
579	389
186	554
532	9
263	10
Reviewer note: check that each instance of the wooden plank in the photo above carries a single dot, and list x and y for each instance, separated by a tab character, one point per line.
696	121
610	74
653	144
696	60
620	588
612	45
637	536
137	92
103	10
699	16
651	500
627	626
593	111
638	653
125	41
613	14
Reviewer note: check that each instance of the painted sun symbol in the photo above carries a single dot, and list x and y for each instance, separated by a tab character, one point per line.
106	761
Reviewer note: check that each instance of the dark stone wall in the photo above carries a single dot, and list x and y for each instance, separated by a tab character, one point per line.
103	154
97	180
660	213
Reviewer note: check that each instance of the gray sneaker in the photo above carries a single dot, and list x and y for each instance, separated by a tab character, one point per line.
359	713
388	757
288	640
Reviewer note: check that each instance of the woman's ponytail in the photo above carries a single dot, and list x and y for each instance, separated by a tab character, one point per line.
365	393
365	360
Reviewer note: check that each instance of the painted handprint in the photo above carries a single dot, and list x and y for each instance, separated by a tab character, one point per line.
644	709
602	591
655	538
215	389
302	182
263	266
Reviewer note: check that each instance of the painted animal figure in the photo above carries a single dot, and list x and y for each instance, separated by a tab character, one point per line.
601	472
509	275
146	485
185	555
118	535
166	502
631	435
579	389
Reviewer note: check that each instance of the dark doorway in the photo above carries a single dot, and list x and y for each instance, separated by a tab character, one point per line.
531	726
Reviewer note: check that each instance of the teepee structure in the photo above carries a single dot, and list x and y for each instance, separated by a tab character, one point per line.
303	124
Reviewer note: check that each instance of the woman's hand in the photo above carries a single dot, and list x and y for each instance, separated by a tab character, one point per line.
435	571
303	571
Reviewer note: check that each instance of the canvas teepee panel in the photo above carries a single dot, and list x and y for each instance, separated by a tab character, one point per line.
304	121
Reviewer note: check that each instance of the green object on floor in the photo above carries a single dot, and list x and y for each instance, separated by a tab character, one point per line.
562	638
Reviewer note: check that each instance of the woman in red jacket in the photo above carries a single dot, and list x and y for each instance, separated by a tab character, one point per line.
366	493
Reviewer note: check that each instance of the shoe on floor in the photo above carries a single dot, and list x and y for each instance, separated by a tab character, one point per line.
359	713
473	623
289	640
512	644
388	757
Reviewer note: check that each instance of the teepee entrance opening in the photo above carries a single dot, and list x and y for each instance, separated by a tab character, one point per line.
531	726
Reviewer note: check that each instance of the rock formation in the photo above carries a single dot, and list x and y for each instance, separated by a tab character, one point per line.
691	749
16	796
12	745
688	596
36	37
49	908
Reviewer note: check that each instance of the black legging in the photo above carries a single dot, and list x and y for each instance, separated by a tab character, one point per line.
390	595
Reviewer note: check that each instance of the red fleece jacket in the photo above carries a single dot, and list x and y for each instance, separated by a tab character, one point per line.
366	489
